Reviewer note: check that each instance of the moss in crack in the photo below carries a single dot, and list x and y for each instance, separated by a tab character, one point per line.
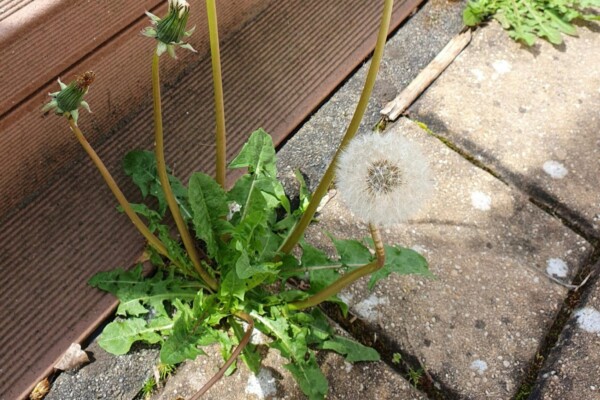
469	157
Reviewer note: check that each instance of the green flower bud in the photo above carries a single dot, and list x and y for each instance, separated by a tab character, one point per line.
68	100
170	30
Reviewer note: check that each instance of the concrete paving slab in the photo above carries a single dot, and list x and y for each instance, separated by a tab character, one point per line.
480	322
107	376
373	380
573	367
532	115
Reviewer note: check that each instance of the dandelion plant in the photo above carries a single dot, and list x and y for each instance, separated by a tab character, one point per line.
229	270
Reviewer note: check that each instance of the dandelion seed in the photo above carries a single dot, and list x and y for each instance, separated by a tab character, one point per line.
383	179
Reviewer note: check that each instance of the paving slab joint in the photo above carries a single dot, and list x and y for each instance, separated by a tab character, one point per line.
536	195
457	149
572	301
570	218
406	365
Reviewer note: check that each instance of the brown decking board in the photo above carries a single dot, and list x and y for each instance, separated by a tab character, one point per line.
58	218
35	148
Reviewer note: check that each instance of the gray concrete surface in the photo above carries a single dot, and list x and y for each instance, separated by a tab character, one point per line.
106	377
529	114
479	323
346	381
573	367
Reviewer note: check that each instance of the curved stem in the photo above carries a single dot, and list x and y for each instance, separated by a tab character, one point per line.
234	355
348	278
221	138
139	224
161	169
321	190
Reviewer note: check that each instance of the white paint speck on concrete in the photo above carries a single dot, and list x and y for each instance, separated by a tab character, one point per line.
419	249
257	336
479	74
346	297
555	169
481	201
588	319
557	267
263	385
479	366
348	366
502	66
366	309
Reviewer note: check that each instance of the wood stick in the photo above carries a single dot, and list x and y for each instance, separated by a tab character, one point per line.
396	107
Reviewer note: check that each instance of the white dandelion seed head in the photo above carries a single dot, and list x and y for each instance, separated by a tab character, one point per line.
383	179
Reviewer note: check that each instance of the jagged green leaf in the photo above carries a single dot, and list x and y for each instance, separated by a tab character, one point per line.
141	167
250	354
188	334
253	194
352	252
258	155
227	344
527	19
209	205
310	378
139	295
259	190
313	259
401	261
316	261
118	336
304	193
353	351
319	328
290	342
232	286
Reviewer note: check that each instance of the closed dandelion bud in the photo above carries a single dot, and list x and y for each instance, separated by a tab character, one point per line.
383	179
68	100
170	30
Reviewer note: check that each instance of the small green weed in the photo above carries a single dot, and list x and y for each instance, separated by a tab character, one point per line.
148	388
526	20
414	376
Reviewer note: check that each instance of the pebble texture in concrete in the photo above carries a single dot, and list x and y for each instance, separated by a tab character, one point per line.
346	381
477	325
530	114
573	367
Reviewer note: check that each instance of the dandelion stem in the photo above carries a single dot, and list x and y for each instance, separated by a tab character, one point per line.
221	138
161	169
327	179
234	355
348	278
139	224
